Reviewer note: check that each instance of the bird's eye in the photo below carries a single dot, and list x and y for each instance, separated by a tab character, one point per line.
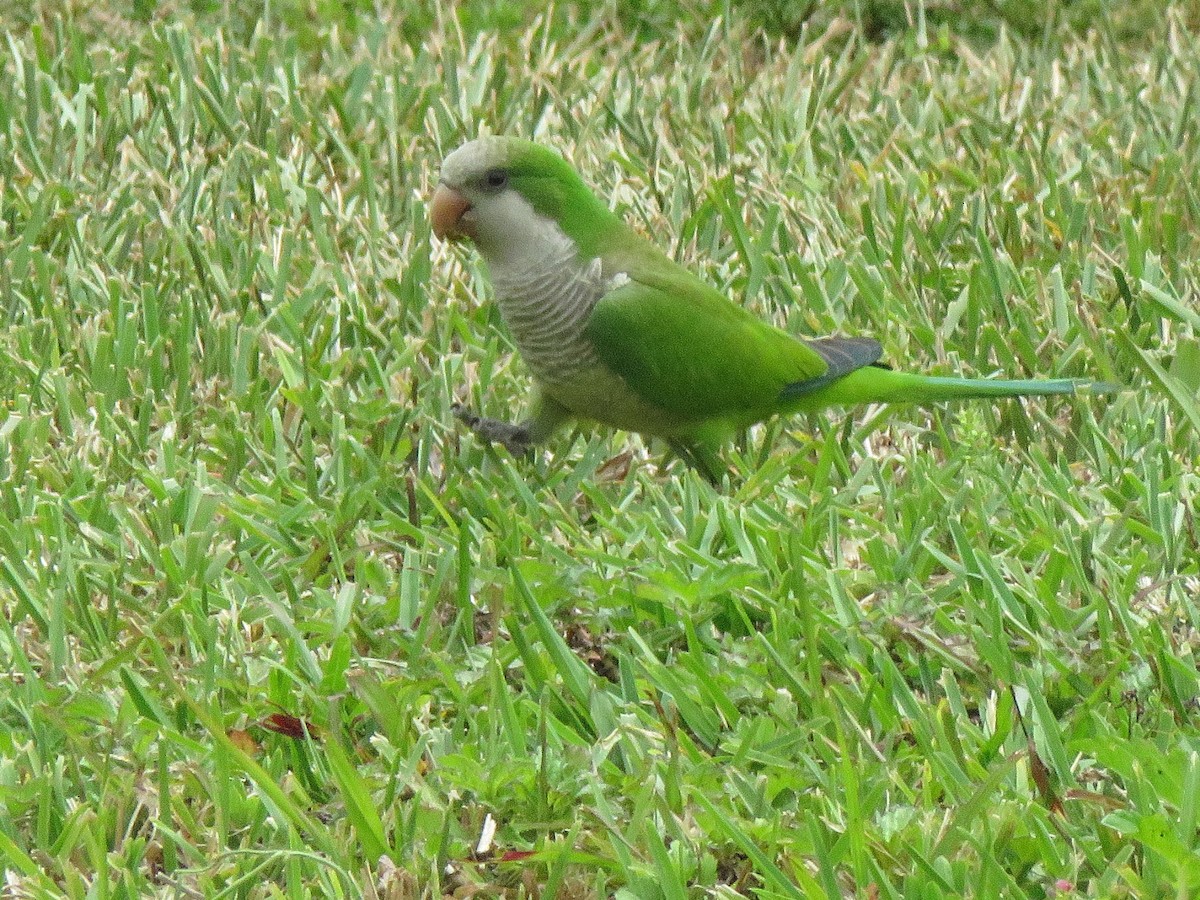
496	179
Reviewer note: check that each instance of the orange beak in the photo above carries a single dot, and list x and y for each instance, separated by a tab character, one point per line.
446	210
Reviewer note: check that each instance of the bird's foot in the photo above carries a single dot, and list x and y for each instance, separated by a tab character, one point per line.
515	438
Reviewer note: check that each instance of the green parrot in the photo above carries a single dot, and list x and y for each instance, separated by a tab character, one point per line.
615	332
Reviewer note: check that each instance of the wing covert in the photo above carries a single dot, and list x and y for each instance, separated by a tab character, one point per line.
690	351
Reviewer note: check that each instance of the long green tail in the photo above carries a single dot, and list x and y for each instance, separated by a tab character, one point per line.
875	385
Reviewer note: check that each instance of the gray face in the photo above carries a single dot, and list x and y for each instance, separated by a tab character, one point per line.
502	224
473	159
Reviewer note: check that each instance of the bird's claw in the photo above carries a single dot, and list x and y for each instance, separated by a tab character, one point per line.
514	438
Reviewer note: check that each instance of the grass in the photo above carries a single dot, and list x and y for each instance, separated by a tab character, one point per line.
273	626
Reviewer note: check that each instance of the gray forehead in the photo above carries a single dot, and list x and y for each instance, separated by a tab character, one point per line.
473	158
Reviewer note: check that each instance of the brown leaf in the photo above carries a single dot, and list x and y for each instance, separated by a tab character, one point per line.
243	741
288	726
616	468
1041	777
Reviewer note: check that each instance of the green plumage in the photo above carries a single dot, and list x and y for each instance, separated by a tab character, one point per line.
668	355
636	330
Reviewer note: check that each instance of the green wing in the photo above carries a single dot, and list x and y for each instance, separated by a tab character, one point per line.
685	348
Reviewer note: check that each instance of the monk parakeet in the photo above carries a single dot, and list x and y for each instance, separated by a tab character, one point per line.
615	332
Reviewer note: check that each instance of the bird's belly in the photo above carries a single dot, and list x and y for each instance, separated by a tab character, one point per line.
601	396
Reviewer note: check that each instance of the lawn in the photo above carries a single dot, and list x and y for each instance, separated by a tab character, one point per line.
275	625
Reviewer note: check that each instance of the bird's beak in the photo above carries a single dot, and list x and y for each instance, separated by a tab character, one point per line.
446	211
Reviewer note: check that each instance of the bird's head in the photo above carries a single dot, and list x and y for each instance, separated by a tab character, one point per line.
505	194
